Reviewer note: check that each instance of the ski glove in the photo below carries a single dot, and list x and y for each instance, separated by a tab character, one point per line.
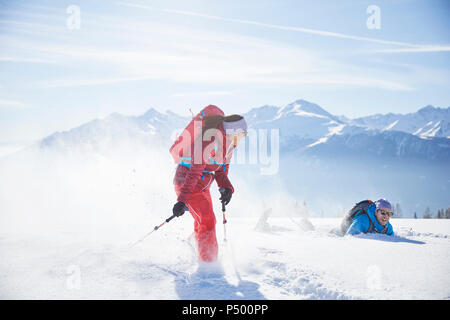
226	194
179	208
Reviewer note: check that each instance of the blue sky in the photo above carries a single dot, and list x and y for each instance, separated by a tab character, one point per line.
130	55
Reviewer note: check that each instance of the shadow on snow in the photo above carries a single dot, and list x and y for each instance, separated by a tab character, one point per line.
382	237
215	287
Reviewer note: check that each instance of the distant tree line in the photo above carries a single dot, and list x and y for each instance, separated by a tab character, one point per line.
440	214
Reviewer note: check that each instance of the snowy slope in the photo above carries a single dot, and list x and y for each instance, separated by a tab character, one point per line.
66	226
350	141
286	264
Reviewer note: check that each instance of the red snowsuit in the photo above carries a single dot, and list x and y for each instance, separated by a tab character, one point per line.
192	182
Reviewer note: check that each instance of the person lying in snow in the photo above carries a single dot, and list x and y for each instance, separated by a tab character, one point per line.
368	217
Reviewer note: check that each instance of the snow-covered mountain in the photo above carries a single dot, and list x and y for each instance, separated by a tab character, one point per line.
300	123
300	119
152	128
383	144
305	128
426	123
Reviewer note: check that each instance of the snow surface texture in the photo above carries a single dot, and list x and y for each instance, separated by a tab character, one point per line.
66	229
286	264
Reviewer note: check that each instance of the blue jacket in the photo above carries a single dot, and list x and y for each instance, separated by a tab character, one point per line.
361	223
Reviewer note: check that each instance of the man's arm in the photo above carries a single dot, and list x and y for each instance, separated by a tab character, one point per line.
360	224
222	178
390	230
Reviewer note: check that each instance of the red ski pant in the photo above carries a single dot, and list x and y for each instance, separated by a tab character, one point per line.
201	208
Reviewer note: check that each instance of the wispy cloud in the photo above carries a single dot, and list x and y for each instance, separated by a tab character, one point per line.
443	48
196	56
218	64
28	60
90	82
288	28
11	103
201	94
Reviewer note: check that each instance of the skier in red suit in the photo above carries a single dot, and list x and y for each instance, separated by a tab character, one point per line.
203	153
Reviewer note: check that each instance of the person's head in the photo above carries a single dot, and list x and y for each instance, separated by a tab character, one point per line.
235	128
234	125
383	211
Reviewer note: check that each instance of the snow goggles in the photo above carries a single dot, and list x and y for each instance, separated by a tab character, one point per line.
384	212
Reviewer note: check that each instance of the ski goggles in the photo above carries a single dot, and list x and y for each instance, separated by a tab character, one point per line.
237	133
384	213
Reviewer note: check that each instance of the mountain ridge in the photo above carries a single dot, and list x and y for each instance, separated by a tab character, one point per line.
303	126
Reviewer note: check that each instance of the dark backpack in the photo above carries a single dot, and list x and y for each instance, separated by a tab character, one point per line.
357	210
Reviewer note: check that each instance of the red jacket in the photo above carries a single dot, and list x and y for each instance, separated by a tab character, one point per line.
194	178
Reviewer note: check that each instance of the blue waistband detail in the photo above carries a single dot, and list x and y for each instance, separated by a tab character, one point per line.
188	165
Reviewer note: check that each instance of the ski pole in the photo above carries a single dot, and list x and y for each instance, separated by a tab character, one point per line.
224	222
221	190
229	245
154	229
